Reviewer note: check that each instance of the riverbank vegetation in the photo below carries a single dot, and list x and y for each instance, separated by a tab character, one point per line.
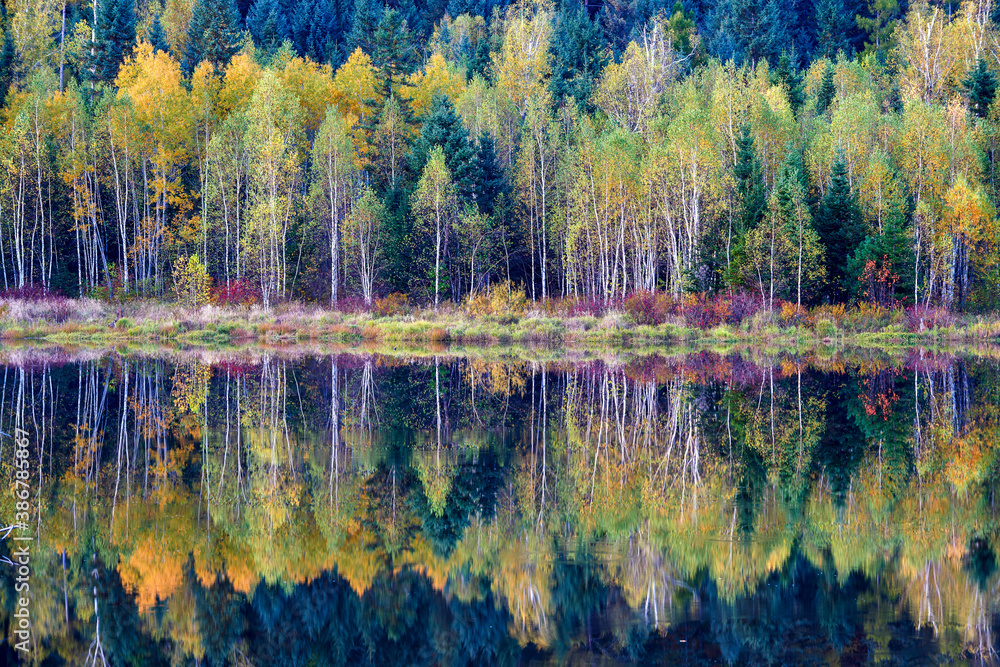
642	319
215	151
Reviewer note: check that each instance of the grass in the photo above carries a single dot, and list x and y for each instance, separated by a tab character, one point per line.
90	322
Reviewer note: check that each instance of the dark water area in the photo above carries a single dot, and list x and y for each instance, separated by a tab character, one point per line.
261	508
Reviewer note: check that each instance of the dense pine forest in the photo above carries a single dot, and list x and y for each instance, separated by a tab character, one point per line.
833	151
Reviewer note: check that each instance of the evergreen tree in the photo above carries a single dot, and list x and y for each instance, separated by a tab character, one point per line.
444	128
833	24
827	90
393	51
6	55
471	7
315	28
751	192
268	25
892	247
765	29
841	229
114	37
792	82
578	55
214	34
491	181
155	36
981	87
429	14
364	24
410	13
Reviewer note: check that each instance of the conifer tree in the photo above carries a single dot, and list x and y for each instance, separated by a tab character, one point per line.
444	128
792	82
268	25
155	36
578	55
491	181
6	54
213	34
891	249
114	37
314	29
827	91
833	23
981	87
364	24
750	189
393	51
841	229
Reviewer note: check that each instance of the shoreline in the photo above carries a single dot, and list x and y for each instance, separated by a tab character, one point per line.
90	322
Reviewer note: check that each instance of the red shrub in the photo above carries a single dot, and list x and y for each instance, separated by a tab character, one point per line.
649	307
705	312
743	305
30	293
919	318
237	293
352	304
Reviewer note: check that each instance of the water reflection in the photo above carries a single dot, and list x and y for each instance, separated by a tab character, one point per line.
263	509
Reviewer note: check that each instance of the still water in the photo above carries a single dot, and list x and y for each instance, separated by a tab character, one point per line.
267	508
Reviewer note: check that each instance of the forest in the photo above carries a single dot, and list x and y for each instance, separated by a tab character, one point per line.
804	152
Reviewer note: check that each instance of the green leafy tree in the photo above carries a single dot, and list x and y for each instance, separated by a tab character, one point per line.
435	207
783	256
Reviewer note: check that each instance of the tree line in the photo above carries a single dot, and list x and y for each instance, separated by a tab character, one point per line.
314	151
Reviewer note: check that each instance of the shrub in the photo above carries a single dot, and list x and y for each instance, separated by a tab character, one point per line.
793	314
705	312
868	317
352	304
237	293
921	318
396	303
743	305
191	281
830	313
29	293
645	307
826	329
504	300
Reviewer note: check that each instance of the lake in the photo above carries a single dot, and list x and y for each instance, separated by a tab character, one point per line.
437	506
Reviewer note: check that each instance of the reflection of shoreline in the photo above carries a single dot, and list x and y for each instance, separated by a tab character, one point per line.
701	478
722	364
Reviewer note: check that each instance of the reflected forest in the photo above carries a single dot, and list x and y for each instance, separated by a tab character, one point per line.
207	508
